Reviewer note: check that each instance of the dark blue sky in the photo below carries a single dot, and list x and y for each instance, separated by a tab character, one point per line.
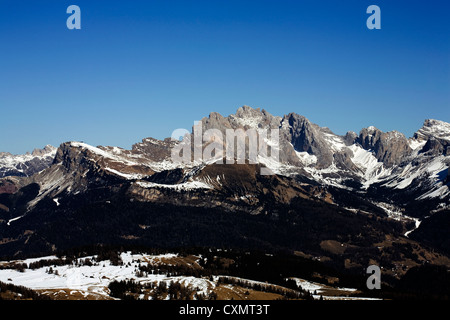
144	68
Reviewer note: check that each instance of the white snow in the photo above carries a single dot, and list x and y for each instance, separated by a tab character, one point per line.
189	185
323	175
30	260
336	143
250	121
428	171
52	181
115	154
92	149
17	162
392	211
90	279
93	279
372	170
441	192
306	158
318	290
129	176
275	166
436	128
13	219
368	167
417	224
416	145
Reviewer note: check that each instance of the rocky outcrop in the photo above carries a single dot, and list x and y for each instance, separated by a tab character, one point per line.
392	148
350	138
307	137
388	147
46	151
369	137
70	157
436	133
80	157
433	147
153	149
247	118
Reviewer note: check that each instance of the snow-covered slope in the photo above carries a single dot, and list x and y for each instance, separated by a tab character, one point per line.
92	280
80	280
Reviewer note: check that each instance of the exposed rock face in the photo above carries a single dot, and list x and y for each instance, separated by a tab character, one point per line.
388	147
46	151
433	147
71	157
350	138
368	137
343	159
306	136
248	118
392	148
80	157
437	136
244	118
153	149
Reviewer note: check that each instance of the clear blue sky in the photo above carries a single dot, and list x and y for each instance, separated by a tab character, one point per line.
144	68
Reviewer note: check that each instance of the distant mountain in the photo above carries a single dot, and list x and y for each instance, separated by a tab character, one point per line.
27	164
372	196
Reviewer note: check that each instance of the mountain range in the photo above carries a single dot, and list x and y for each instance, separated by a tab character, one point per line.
352	200
27	164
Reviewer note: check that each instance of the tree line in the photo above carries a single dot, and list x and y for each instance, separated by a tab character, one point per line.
291	291
132	290
9	291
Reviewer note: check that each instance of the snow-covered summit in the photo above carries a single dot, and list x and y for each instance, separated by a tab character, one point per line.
26	164
434	128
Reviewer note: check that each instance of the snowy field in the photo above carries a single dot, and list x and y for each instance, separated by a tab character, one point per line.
94	280
318	290
91	281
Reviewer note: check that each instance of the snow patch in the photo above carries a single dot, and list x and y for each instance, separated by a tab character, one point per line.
306	158
185	186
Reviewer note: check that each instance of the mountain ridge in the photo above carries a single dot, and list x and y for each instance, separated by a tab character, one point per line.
367	158
384	183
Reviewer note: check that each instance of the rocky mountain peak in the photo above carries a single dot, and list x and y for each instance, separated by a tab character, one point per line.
350	138
246	111
368	137
245	118
306	137
388	147
433	128
47	150
436	133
